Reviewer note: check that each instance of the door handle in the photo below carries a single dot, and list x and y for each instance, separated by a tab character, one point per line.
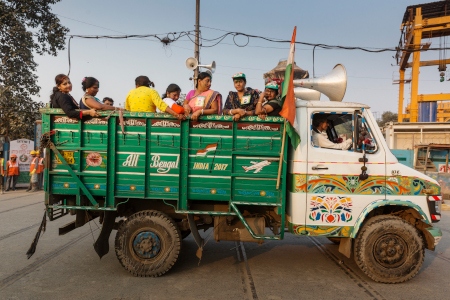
319	167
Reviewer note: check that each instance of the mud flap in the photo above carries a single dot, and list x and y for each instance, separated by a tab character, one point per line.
345	247
198	239
101	245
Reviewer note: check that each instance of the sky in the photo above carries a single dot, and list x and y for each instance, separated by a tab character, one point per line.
117	62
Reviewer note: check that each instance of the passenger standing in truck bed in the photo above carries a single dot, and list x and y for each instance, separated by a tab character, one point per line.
145	99
243	101
90	87
171	96
203	100
269	103
61	98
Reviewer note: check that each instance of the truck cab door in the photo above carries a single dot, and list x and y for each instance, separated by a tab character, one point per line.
336	192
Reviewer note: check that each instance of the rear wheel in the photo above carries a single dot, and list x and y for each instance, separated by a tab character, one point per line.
389	249
148	243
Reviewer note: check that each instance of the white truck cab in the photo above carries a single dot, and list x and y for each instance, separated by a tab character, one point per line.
361	196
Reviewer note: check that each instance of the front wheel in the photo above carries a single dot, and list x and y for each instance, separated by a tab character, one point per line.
389	250
148	243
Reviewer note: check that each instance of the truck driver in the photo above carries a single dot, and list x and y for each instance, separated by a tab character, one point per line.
320	137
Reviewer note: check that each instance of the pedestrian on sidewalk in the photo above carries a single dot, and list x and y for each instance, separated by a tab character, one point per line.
2	171
33	172
12	173
40	169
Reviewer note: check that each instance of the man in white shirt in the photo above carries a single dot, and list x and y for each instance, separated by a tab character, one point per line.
320	137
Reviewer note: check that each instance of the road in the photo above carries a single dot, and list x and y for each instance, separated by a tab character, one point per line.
67	267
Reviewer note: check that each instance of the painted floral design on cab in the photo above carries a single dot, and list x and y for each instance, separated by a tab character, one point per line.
331	209
350	184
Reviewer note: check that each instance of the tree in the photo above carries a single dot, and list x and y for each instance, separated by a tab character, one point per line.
26	26
387	116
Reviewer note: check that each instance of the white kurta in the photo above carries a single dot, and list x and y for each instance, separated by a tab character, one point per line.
320	139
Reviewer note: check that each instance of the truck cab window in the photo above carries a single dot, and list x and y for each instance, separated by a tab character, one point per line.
364	136
332	130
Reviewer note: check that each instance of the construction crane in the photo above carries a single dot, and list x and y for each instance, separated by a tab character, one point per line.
422	22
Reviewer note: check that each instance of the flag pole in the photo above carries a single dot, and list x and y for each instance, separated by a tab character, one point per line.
280	163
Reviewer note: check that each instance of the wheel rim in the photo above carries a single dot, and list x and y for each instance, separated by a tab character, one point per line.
390	251
146	245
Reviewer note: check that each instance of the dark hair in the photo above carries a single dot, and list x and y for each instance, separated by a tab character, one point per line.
88	82
319	119
171	88
58	80
109	99
202	76
143	81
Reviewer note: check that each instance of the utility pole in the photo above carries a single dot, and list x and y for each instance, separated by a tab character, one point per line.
197	38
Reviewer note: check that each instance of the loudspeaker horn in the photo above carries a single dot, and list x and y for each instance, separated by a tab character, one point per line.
306	94
332	85
192	64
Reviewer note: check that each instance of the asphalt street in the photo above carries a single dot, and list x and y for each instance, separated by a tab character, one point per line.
67	267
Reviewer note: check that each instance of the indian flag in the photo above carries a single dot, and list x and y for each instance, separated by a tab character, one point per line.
288	97
208	148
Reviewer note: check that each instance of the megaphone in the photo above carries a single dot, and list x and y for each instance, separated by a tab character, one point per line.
306	94
332	85
192	64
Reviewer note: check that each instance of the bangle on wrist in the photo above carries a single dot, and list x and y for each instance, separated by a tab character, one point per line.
230	112
202	111
81	114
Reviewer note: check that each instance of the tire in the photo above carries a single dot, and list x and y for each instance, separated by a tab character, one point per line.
148	243
389	250
335	240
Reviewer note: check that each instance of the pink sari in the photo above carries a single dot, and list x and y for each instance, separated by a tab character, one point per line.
204	100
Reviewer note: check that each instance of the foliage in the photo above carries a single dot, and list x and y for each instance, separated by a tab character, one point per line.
387	116
25	26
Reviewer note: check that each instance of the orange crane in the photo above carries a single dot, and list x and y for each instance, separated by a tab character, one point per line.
422	21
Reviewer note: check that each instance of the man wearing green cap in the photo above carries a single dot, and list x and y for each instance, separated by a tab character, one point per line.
242	102
269	103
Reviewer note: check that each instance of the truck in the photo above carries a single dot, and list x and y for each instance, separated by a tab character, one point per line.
156	179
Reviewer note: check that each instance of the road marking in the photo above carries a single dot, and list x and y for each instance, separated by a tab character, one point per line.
358	280
248	284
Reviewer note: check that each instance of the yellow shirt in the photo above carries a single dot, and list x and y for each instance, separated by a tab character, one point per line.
144	99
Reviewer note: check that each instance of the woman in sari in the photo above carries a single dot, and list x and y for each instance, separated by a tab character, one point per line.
90	87
203	100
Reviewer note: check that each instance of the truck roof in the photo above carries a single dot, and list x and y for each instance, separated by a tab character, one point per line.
328	104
